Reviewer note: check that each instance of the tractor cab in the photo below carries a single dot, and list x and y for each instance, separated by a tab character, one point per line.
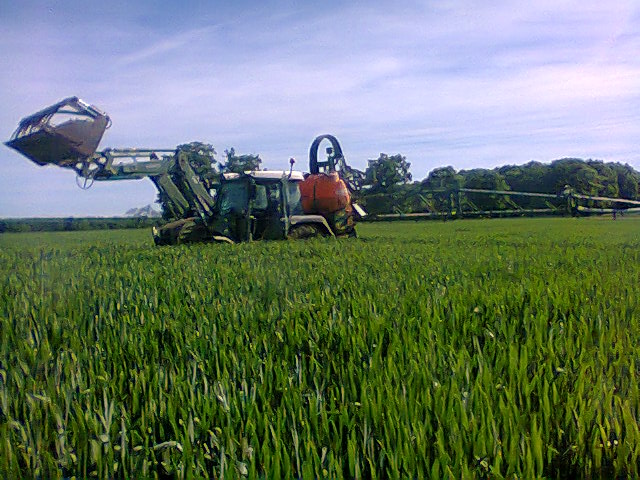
262	205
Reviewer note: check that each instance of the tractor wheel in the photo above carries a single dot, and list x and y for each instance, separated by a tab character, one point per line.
184	234
304	231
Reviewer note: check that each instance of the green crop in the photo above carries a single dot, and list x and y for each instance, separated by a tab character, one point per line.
467	349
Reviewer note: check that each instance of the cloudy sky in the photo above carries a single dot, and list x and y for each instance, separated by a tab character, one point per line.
462	83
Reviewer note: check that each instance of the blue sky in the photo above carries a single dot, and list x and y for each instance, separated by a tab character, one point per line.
461	83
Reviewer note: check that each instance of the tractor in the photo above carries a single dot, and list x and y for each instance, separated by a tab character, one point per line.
210	206
257	205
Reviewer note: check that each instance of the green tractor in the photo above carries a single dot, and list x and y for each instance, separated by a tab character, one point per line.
211	207
259	205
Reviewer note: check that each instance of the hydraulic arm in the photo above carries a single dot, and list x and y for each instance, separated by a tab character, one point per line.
187	192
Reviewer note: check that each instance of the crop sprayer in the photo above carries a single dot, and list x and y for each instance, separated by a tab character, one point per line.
228	207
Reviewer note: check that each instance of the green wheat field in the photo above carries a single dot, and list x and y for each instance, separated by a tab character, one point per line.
466	349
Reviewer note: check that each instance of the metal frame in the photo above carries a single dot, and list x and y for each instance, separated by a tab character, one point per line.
457	202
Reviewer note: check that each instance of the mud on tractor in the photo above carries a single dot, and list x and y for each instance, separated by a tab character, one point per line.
211	206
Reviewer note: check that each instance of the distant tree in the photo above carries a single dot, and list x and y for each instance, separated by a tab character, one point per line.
436	188
202	156
628	181
68	224
387	171
606	183
241	163
573	172
529	177
83	224
21	227
484	179
443	178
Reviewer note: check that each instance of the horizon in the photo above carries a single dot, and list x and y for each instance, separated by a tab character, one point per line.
460	84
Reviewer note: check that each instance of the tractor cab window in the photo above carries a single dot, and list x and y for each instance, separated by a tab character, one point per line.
295	203
260	202
273	199
233	198
267	197
274	193
267	214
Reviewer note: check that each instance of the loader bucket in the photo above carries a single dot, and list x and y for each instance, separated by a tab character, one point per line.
61	134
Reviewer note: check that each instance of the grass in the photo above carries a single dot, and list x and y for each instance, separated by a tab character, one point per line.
486	349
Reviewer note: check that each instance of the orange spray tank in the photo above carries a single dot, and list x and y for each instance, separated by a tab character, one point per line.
324	193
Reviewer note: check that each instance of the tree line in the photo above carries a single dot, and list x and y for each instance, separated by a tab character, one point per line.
389	187
71	224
